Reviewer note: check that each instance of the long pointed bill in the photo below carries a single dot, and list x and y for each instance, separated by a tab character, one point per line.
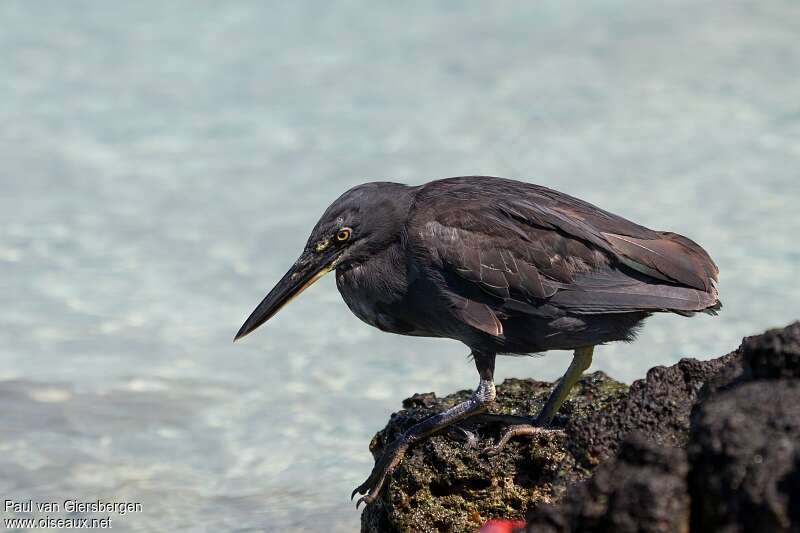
304	273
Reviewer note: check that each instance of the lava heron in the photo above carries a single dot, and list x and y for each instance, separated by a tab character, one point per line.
504	267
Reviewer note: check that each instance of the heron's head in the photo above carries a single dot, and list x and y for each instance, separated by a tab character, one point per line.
357	225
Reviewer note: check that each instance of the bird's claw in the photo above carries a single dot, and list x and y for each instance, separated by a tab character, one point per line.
366	499
369	489
518	430
470	438
384	466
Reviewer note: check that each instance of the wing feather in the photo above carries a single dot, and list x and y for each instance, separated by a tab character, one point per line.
526	247
613	291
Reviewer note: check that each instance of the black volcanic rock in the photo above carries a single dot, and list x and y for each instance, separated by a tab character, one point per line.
745	441
658	406
774	354
718	438
643	489
744	450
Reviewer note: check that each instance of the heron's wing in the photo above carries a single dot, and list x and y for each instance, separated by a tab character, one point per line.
485	281
527	246
661	255
612	290
500	264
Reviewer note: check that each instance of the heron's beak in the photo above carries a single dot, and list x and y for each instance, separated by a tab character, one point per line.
307	269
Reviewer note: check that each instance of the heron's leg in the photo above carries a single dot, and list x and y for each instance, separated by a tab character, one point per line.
394	452
581	360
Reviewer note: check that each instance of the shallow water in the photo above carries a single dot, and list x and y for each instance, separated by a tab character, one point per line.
163	164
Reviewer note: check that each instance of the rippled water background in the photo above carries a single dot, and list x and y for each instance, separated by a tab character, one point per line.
162	163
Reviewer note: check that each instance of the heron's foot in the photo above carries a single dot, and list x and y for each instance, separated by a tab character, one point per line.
467	432
394	452
502	418
518	430
384	466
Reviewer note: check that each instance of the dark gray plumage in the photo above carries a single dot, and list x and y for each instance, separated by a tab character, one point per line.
503	266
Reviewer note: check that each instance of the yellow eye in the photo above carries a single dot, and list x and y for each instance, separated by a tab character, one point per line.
343	234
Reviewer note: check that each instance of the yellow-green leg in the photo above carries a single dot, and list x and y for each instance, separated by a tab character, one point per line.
581	360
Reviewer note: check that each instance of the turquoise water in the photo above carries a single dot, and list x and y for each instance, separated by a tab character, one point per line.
162	165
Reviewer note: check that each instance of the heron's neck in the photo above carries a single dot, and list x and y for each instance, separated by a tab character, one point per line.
380	277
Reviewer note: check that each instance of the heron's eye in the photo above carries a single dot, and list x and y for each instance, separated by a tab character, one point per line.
343	235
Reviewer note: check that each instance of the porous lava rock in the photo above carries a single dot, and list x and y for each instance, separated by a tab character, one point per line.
697	446
643	489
